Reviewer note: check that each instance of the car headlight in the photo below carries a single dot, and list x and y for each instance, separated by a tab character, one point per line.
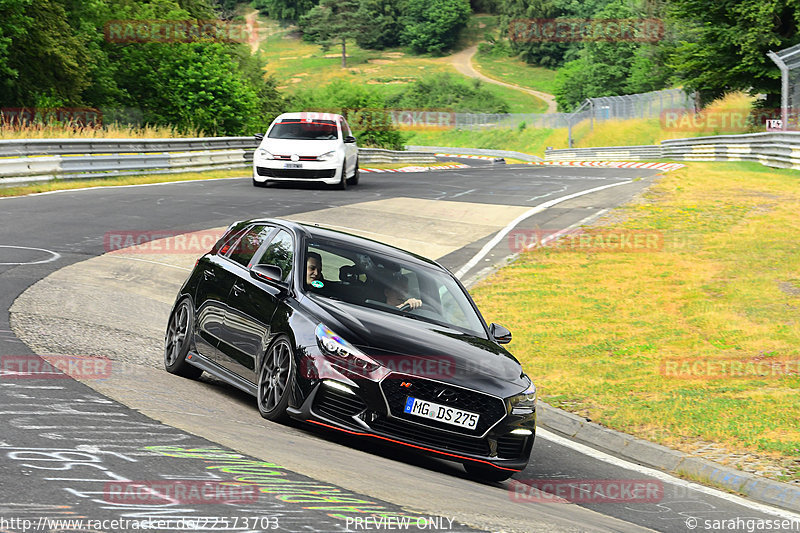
346	354
263	154
327	157
524	402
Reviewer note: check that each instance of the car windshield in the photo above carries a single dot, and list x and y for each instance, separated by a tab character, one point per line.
387	284
304	130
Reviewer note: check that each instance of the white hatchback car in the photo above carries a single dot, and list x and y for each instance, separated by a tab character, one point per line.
307	147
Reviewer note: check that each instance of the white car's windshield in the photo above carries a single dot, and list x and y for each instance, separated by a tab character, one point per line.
304	130
365	278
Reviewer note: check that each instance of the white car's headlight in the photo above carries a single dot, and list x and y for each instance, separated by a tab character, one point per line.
524	402
263	154
335	346
327	157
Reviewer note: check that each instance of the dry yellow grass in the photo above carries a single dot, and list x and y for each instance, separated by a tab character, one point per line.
66	184
112	131
596	329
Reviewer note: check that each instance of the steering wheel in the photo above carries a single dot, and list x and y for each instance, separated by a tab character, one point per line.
423	307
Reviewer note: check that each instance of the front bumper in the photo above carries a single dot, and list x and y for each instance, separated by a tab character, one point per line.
366	412
328	172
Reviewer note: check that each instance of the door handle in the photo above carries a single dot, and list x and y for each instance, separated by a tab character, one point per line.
238	289
209	275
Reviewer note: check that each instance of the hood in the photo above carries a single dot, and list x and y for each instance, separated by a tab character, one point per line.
414	346
303	148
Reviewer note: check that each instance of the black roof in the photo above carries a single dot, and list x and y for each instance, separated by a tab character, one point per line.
313	231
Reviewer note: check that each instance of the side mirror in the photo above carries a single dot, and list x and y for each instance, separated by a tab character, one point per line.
259	137
270	273
500	334
349	139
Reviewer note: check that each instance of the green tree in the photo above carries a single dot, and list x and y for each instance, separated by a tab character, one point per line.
364	107
722	46
333	22
13	24
516	13
446	92
46	60
611	68
433	25
285	10
384	27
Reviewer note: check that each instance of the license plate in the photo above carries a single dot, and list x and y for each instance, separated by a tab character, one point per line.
293	165
442	413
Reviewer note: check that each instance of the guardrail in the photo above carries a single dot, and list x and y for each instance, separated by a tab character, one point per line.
778	149
372	156
608	153
476	151
32	160
34	147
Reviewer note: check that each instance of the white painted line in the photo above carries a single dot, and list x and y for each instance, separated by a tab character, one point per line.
511	225
663	476
148	261
101	187
55	256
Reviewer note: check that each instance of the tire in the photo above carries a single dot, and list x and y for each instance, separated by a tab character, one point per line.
353	180
262	184
276	381
342	185
487	473
178	340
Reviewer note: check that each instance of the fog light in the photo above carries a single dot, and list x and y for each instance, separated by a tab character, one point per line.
339	386
524	432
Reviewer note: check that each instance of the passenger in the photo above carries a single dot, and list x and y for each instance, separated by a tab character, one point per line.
313	267
396	293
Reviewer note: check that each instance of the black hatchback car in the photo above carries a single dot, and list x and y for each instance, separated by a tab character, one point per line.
356	336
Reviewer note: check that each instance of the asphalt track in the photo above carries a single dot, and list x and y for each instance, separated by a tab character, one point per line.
43	419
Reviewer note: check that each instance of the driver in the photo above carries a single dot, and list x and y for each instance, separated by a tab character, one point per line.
396	293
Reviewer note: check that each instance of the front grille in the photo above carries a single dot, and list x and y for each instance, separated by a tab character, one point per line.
490	408
431	437
337	405
295	173
510	446
289	158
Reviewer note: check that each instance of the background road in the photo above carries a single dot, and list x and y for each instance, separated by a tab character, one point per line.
117	306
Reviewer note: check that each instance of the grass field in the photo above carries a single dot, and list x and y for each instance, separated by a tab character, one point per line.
513	70
629	132
631	339
297	64
111	131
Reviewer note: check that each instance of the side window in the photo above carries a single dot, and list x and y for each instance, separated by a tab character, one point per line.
346	128
249	244
280	252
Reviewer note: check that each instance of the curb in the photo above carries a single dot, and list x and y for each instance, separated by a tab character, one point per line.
611	164
783	495
416	169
